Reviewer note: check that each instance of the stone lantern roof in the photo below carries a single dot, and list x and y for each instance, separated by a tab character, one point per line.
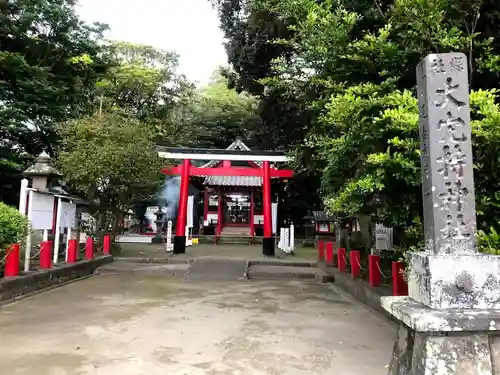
42	167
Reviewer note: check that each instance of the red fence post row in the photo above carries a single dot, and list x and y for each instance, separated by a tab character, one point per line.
321	250
375	276
45	255
341	253
12	261
72	251
399	285
107	245
89	248
329	254
355	263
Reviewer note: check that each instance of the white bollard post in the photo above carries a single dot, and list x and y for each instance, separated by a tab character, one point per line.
286	244
292	238
169	244
27	252
280	243
57	234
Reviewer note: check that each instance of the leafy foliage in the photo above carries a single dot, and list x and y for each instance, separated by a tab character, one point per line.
489	242
49	64
216	115
13	226
348	69
111	159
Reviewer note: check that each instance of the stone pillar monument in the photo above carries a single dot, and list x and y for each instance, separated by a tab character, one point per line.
448	323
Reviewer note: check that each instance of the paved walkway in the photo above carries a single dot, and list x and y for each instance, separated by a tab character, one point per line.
134	325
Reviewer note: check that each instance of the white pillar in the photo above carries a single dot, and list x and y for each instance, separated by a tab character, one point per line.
23	196
292	237
169	246
27	250
57	233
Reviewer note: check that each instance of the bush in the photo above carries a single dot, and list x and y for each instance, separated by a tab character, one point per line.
489	242
13	226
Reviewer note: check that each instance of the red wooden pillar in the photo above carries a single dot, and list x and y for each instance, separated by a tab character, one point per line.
268	240
399	285
374	270
12	261
219	212
252	213
180	230
355	263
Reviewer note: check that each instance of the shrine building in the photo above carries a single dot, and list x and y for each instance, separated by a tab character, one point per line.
237	185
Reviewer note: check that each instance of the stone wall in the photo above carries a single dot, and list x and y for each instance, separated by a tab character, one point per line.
14	287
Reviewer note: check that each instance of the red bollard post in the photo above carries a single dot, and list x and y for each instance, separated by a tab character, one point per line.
12	261
107	244
89	248
72	251
374	270
45	255
355	263
399	285
329	253
342	259
321	250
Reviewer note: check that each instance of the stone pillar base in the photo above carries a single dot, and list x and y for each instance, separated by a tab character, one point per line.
268	246
179	244
443	342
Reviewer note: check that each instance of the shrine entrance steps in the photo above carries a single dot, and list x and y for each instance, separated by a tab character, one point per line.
229	240
236	231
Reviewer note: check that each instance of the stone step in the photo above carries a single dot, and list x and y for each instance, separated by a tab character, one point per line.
122	267
285	263
280	272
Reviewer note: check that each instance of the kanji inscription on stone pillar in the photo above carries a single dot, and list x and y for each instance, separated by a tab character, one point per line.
446	154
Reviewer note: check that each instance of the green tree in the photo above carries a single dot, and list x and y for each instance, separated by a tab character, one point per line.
49	64
216	115
350	67
110	159
144	83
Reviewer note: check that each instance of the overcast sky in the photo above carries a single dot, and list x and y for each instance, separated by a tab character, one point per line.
188	27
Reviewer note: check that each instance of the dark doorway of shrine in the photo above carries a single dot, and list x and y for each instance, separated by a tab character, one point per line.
237	209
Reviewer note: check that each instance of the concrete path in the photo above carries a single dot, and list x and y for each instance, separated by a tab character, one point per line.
135	324
214	269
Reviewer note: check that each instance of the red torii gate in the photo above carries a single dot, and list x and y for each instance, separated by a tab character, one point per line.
187	169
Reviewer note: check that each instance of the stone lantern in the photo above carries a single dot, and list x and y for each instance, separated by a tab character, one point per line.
160	218
43	174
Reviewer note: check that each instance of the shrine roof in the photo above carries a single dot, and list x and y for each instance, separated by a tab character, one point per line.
322	216
236	151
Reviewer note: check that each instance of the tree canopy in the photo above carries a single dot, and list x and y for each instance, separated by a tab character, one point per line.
111	160
50	62
344	70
